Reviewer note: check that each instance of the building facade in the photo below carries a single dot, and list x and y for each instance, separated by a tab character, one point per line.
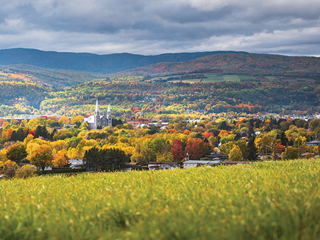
99	120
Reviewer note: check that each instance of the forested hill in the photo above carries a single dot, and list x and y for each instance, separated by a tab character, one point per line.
87	62
236	63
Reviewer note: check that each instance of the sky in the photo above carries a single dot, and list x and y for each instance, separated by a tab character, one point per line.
150	27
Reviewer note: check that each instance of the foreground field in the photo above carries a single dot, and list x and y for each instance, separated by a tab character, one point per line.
274	200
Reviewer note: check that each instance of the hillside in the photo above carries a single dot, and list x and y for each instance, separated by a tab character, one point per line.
247	63
45	76
87	62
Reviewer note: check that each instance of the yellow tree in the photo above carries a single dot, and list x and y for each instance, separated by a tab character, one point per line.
263	141
64	120
42	156
76	119
235	154
8	168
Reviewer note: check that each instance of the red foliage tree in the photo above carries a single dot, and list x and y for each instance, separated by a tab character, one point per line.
280	148
209	134
177	150
196	148
32	133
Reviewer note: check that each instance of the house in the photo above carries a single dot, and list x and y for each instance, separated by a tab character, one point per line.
197	163
75	163
163	165
217	156
315	142
227	163
136	122
131	166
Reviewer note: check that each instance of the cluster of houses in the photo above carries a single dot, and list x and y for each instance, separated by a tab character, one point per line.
213	159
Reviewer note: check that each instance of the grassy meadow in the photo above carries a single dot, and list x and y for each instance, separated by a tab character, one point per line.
270	200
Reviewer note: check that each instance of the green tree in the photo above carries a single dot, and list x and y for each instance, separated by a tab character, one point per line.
252	150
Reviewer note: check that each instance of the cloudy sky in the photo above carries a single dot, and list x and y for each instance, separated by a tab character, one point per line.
290	27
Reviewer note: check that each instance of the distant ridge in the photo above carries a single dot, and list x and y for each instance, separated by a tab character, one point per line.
236	62
87	62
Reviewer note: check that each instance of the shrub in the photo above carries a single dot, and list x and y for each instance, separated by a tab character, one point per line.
8	168
26	171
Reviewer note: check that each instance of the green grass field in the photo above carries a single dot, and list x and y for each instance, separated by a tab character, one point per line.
231	78
213	77
270	200
247	78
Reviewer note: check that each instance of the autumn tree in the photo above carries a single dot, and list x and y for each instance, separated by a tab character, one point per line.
8	168
177	150
235	154
17	152
60	159
26	171
75	119
42	156
196	148
64	120
9	133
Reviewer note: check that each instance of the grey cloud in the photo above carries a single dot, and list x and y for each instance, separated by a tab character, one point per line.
154	26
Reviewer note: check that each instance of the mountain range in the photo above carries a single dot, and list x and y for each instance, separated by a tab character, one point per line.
87	62
60	69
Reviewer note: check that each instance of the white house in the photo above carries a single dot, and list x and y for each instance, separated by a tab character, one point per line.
163	165
196	163
76	163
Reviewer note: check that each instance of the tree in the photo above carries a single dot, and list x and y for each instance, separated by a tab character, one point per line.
252	150
263	141
235	154
9	133
106	160
41	131
60	159
26	171
177	150
76	119
64	120
8	168
290	153
196	148
16	153
42	156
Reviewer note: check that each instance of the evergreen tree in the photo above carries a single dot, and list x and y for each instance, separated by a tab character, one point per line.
284	139
252	150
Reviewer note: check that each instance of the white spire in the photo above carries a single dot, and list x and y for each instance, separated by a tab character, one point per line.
109	108
97	107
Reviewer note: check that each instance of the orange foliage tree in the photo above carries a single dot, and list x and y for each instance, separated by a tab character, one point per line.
9	133
60	160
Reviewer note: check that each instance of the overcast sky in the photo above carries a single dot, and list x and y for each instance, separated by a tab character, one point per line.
290	27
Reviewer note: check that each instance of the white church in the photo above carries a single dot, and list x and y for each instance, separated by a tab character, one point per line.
99	120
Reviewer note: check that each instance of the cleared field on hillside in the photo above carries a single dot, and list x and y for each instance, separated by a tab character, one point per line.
213	77
271	200
247	78
187	81
231	78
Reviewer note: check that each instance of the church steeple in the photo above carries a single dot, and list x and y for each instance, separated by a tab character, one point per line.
97	106
109	117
